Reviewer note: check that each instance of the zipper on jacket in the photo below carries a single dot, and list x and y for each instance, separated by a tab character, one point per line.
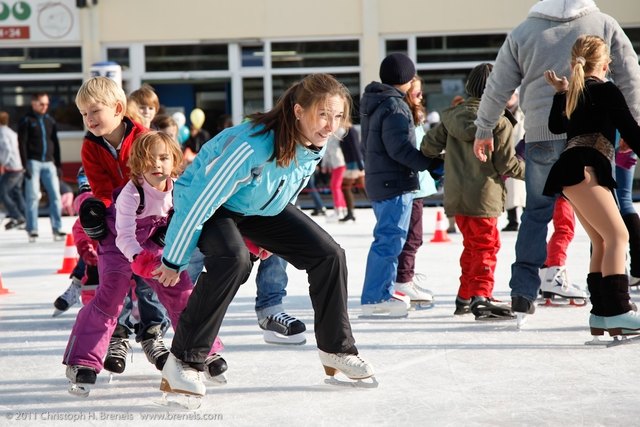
44	138
274	195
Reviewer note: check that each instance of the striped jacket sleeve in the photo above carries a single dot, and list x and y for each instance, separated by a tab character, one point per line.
206	185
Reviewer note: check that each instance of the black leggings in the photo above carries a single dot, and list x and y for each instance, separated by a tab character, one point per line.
291	235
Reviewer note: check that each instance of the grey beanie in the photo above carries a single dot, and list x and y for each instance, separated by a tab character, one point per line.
477	79
397	69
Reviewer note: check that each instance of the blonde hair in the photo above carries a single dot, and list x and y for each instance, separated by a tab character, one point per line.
101	90
132	111
140	159
310	93
146	95
587	54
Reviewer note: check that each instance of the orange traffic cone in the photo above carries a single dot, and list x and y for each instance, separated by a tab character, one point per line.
70	256
440	234
3	290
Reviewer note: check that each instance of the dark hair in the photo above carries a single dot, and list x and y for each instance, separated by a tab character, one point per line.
310	93
4	118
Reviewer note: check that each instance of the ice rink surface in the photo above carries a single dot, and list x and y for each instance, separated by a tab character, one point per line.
434	369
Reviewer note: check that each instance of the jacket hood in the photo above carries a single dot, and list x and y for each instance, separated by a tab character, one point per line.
459	120
375	94
562	10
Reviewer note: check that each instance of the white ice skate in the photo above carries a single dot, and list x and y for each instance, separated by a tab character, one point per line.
282	328
419	297
181	384
81	378
397	306
352	366
554	282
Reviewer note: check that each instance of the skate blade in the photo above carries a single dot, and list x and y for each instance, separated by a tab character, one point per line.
521	320
79	389
493	318
622	340
421	305
218	380
180	401
271	337
569	302
597	342
359	383
57	312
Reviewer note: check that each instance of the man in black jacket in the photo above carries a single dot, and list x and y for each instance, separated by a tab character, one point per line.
40	155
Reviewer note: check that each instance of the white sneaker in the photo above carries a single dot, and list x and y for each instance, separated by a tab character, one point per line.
554	280
397	306
179	377
350	365
414	292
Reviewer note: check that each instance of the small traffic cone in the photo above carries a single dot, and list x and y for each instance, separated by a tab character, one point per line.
70	256
440	235
3	290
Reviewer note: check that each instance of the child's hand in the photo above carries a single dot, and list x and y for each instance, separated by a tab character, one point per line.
145	263
166	276
559	84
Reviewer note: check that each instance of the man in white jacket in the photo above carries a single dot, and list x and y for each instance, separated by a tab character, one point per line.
543	41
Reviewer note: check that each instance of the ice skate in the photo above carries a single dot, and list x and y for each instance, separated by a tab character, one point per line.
33	236
462	307
397	306
597	327
80	379
59	235
69	298
181	384
486	309
554	284
351	365
420	298
634	282
154	348
282	328
214	369
522	307
14	223
116	358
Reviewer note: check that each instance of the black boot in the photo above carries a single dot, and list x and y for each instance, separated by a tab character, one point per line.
348	217
512	217
632	222
596	319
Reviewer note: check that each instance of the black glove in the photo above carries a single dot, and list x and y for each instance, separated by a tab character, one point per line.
436	168
92	218
27	174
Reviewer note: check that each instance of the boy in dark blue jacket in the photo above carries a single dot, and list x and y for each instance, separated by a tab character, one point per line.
391	165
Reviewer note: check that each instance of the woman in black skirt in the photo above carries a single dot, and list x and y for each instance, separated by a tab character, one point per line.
590	109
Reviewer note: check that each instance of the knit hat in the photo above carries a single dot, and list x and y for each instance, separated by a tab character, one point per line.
477	79
397	69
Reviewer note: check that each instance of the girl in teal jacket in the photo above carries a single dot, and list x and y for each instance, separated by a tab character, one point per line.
242	184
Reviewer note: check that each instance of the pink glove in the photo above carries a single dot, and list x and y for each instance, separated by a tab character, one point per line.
256	250
625	159
145	263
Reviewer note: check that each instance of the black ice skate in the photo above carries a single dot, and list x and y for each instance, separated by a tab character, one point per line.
154	347
462	307
487	309
214	368
282	328
80	379
116	359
